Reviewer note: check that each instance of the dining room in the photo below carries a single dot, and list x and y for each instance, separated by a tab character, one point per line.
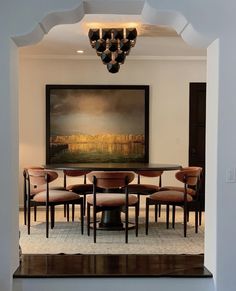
168	67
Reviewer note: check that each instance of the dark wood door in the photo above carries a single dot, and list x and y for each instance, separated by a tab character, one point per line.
197	130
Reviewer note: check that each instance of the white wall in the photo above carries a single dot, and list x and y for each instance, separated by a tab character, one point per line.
169	102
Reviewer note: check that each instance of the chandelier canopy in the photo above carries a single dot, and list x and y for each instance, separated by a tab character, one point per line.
112	45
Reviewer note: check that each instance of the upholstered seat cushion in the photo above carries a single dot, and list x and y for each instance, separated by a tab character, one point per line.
143	188
170	196
80	188
112	199
190	191
56	196
36	190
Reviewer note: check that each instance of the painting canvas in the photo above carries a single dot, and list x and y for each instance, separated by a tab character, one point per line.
96	124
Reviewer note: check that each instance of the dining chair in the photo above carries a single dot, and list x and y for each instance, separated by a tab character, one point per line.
31	194
109	181
33	190
145	188
190	177
79	188
191	191
49	197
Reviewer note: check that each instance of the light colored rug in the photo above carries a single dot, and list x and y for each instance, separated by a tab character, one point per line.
66	238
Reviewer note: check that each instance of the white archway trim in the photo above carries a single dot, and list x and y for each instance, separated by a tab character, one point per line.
48	22
124	7
177	21
164	17
194	38
149	14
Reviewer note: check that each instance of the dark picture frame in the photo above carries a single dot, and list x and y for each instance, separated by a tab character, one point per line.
97	123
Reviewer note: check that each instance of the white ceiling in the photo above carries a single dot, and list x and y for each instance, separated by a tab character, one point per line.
152	41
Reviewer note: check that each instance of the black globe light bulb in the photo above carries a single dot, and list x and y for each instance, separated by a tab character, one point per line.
93	34
100	45
125	45
106	57
113	45
113	67
120	58
118	33
131	33
106	34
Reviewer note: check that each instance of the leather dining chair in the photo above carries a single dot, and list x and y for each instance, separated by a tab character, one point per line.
147	188
31	194
190	177
79	188
49	197
190	190
33	190
109	181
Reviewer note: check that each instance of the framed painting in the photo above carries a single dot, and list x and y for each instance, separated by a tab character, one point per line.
97	123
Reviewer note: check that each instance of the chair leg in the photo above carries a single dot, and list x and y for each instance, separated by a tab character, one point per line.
138	203
185	221
173	216
68	211
136	217
196	221
73	212
167	215
94	224
25	210
35	213
47	220
29	216
82	216
156	211
84	205
52	208
147	214
200	216
159	210
88	219
64	210
126	223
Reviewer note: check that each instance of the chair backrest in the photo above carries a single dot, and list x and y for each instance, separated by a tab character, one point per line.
111	180
74	173
25	171
38	177
150	174
189	175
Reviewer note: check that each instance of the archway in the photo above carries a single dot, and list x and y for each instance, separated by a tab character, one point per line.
20	38
174	18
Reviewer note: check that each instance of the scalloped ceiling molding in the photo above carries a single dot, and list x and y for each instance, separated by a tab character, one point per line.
149	14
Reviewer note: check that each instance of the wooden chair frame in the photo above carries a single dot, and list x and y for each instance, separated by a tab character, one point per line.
51	205
97	208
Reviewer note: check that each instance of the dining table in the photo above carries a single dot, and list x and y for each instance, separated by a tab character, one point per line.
111	219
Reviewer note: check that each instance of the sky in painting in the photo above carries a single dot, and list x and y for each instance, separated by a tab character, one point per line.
94	111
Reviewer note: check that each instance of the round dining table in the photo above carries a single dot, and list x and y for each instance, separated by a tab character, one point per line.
111	219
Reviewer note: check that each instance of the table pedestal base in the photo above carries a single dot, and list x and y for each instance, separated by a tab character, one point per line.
111	220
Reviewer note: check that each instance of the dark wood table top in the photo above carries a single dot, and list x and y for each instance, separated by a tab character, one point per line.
114	167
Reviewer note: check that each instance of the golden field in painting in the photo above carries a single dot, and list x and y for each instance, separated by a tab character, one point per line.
97	148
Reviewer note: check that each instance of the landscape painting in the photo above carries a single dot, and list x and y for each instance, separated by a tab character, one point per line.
97	124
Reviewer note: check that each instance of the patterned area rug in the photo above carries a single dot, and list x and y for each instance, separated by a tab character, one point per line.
66	238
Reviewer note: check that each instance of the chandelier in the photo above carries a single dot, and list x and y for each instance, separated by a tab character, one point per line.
112	45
